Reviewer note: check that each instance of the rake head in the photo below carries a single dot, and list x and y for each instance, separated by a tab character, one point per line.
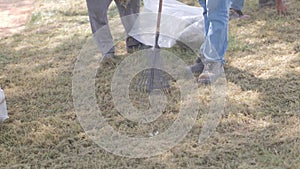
153	78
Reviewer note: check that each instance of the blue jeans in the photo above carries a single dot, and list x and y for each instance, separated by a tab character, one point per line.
216	16
237	4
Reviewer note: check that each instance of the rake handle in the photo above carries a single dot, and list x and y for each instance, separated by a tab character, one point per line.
156	51
158	23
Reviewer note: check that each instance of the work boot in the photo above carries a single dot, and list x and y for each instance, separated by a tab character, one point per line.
110	55
212	71
197	68
132	45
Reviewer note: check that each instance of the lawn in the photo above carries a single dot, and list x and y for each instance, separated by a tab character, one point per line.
259	129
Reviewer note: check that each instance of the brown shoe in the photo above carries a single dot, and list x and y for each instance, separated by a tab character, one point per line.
212	71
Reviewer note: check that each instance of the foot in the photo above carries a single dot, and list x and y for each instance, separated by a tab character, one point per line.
107	57
133	45
134	48
197	68
212	71
237	14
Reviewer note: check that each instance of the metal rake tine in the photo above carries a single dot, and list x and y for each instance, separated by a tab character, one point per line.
139	82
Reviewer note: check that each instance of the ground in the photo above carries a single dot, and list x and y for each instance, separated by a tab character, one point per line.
14	15
260	127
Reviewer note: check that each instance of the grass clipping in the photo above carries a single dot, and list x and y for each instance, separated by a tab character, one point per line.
260	127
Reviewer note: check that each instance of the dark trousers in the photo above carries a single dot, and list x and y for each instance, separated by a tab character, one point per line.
97	10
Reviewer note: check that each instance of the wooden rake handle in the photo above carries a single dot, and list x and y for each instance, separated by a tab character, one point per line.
158	23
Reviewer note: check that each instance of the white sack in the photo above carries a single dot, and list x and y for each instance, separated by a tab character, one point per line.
3	108
179	22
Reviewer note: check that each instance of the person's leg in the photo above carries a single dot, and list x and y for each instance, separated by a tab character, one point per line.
97	10
198	67
236	7
129	14
237	4
206	22
213	49
216	42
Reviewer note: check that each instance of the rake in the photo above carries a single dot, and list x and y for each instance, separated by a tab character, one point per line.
154	78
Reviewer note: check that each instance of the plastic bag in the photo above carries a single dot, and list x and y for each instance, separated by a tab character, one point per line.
179	22
3	108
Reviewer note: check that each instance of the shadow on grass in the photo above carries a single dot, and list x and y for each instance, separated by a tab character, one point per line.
279	95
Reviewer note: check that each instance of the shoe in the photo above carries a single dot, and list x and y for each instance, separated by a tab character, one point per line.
134	48
133	45
107	57
197	68
212	71
263	3
237	14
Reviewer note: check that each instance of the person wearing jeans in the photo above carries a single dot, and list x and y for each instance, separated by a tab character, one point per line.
97	10
212	51
237	4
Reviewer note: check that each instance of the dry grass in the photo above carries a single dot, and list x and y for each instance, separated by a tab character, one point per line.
259	130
